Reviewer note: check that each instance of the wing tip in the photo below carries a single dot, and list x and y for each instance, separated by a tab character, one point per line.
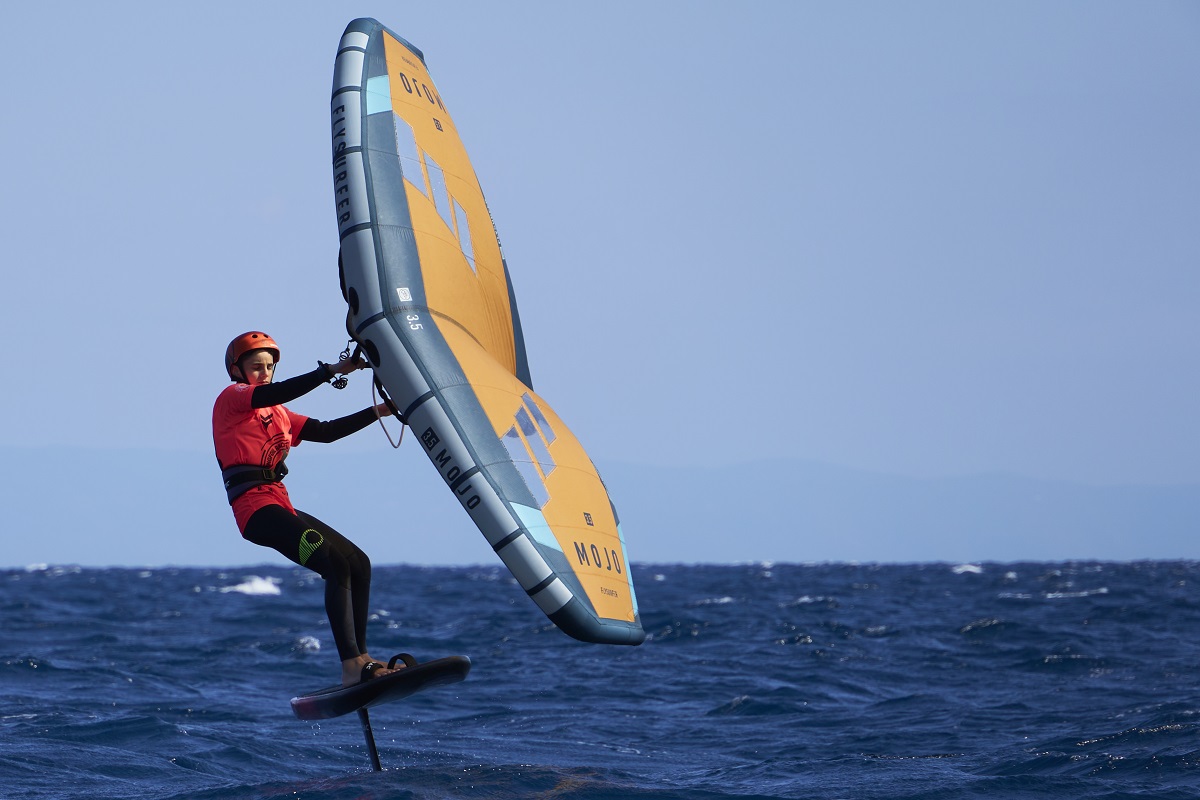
577	622
371	26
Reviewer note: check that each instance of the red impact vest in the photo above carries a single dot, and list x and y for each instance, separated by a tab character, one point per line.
258	437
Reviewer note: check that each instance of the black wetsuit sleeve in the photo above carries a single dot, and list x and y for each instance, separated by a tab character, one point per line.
315	430
276	394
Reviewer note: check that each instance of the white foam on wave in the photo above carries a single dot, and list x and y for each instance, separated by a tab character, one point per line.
254	585
1053	595
1069	595
55	571
307	644
962	569
713	601
807	600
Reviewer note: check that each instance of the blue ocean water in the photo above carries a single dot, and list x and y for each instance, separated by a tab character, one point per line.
1071	680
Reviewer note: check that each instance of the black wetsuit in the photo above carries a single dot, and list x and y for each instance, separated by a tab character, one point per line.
308	541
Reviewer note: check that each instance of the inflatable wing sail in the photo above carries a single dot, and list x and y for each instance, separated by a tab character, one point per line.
432	306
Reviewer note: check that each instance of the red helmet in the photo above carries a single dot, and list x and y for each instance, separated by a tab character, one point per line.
248	341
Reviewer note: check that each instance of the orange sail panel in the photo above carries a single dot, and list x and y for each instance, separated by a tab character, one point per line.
432	305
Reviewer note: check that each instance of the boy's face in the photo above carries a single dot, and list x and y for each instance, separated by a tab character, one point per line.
257	367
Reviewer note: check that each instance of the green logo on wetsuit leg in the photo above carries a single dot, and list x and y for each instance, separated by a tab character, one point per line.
310	540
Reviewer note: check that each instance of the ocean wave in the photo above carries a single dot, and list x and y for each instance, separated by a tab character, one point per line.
255	585
836	680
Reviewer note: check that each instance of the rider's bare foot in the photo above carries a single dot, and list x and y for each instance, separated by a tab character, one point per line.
353	670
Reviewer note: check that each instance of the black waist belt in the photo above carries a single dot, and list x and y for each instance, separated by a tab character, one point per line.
241	478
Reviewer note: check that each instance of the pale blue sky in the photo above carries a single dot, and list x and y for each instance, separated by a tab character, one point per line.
929	239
